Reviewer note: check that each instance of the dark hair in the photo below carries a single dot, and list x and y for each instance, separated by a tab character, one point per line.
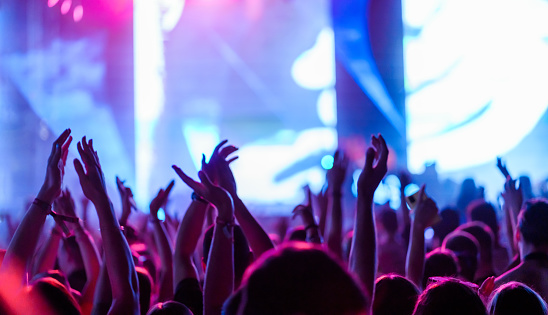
56	295
466	248
439	263
480	210
169	308
449	222
394	295
145	288
516	298
389	220
483	234
533	221
241	250
450	296
296	234
300	278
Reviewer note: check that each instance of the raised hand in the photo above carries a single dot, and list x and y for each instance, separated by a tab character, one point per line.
305	210
92	179
486	288
218	169
426	211
219	197
64	204
126	195
337	174
55	168
502	168
375	168
512	197
160	200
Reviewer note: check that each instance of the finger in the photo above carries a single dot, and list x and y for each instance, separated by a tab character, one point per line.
204	164
85	144
383	154
169	187
119	184
83	155
62	138
79	169
218	147
226	151
65	150
56	156
205	179
232	159
336	156
187	180
308	193
369	157
420	196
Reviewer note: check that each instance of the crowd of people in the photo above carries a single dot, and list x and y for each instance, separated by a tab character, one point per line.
218	259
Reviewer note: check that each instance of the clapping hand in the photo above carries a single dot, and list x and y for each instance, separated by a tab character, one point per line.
91	178
218	169
55	168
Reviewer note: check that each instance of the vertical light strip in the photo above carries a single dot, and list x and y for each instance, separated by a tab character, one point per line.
149	90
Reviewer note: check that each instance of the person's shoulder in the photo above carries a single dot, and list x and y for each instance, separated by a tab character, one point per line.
514	274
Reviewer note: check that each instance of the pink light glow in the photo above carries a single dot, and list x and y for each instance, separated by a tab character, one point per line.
78	13
65	7
51	3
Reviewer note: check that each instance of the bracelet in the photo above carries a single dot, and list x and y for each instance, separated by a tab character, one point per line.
196	197
42	204
59	218
228	227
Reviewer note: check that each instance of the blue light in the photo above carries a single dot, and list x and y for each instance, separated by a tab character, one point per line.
161	215
327	162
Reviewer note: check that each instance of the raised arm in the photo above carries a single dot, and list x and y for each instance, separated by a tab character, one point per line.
363	255
23	244
425	214
126	195
307	216
88	250
405	227
219	277
118	259
165	282
513	200
335	180
47	254
257	237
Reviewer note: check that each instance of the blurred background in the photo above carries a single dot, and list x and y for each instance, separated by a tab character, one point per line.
451	84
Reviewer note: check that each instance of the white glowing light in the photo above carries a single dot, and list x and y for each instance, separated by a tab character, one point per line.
477	82
315	68
327	107
200	138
